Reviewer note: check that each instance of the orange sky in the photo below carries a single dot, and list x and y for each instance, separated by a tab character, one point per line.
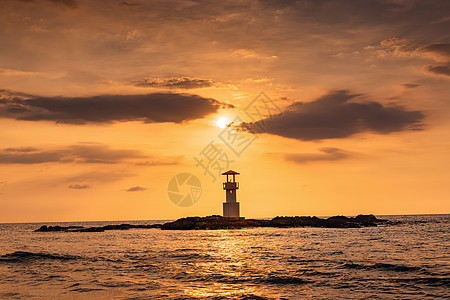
103	102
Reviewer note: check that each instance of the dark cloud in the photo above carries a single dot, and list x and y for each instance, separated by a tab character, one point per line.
123	3
439	70
21	149
69	3
410	85
101	154
79	186
437	52
177	83
303	35
400	47
334	116
83	153
442	50
410	15
326	154
136	189
169	162
6	95
157	107
7	157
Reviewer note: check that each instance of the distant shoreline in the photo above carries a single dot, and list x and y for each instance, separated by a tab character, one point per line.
216	222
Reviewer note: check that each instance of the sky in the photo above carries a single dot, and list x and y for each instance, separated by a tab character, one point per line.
324	107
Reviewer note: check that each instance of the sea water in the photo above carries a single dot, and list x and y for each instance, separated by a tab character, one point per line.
406	261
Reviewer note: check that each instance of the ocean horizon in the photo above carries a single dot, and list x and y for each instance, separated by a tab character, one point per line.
381	216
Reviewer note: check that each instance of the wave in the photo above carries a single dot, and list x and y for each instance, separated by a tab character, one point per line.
242	279
9	295
86	290
24	256
433	281
243	296
314	272
190	256
275	279
381	266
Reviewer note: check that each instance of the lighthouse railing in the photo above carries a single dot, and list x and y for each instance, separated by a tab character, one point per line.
230	185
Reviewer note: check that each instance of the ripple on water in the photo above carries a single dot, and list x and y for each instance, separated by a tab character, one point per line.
23	256
380	266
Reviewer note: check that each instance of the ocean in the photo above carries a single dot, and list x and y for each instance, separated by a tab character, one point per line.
406	261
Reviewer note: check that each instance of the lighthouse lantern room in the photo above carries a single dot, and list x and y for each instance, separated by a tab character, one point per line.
231	206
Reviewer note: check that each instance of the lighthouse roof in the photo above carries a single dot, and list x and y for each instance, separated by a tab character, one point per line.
230	172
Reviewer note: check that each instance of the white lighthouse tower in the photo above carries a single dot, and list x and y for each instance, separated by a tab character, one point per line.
231	206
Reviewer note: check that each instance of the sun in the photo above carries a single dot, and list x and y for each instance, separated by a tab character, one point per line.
222	122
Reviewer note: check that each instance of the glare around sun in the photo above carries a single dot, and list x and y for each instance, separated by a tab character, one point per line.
222	122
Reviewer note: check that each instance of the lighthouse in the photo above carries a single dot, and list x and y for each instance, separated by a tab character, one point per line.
231	206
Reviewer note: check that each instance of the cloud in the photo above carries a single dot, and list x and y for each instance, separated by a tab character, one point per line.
333	116
148	108
303	34
11	72
100	175
7	95
439	51
69	3
403	47
101	154
136	189
327	154
82	153
439	70
21	149
410	85
175	82
123	3
29	158
170	161
79	186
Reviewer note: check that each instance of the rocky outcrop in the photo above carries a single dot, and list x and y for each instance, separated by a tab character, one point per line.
46	228
219	222
212	222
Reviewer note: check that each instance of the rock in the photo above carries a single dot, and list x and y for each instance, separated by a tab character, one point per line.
210	222
295	222
367	220
46	228
219	222
340	222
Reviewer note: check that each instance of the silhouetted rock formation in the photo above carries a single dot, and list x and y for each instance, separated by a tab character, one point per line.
219	222
46	228
212	222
